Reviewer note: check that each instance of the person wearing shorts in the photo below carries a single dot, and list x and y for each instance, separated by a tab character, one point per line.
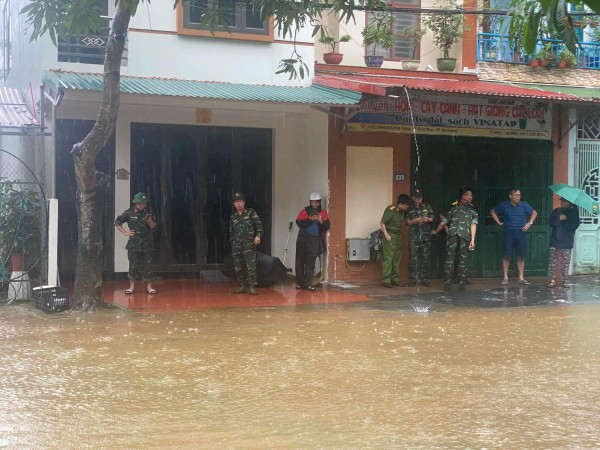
516	217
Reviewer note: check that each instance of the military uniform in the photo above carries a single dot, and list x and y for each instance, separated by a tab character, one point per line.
140	246
392	249
243	229
419	244
459	221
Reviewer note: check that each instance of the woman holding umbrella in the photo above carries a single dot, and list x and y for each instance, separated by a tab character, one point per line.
564	221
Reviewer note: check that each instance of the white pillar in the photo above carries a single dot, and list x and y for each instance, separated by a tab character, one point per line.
53	242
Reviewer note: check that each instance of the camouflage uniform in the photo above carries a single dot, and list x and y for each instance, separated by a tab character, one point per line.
140	246
419	243
459	221
390	266
243	228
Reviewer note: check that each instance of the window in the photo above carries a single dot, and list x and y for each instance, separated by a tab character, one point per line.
6	41
242	21
402	48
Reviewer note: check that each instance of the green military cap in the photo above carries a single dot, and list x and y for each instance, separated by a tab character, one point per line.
238	196
140	197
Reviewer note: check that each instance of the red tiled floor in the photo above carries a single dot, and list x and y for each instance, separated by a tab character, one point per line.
193	295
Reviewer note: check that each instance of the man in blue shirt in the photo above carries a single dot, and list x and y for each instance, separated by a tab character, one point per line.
517	218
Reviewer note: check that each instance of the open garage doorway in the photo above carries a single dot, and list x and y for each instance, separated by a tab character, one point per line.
190	172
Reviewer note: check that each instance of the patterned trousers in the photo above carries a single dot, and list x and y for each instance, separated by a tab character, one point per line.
558	263
457	251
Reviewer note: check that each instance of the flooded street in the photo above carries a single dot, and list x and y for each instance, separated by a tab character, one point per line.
343	376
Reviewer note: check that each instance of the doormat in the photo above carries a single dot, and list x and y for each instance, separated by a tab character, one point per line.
214	276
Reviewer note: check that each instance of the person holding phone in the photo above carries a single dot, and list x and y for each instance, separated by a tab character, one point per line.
313	222
140	245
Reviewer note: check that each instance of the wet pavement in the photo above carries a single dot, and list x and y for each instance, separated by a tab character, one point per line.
359	374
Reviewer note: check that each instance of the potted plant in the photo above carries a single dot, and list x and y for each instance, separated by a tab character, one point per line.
566	59
378	34
333	57
413	35
546	55
447	29
20	219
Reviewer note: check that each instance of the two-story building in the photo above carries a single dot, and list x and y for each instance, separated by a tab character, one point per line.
202	115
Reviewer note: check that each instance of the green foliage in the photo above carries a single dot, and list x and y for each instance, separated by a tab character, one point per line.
20	217
546	53
379	33
568	57
531	19
328	39
413	35
447	28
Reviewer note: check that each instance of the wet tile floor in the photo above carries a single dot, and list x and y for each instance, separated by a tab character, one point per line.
196	294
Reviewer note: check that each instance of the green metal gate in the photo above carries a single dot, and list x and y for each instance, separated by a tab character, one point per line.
490	167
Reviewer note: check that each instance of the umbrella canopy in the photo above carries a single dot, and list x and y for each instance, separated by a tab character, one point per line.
576	196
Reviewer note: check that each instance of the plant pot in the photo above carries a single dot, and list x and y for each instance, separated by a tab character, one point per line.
374	60
410	64
446	64
544	63
534	63
333	58
562	64
17	262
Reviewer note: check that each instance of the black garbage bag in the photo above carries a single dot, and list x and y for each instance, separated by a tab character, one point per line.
269	269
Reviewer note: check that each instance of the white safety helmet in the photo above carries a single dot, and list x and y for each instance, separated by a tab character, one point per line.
315	196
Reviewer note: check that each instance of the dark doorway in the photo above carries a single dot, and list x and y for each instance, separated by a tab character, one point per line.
190	172
490	167
69	132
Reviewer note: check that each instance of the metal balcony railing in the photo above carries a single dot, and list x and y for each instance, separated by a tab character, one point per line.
497	48
87	49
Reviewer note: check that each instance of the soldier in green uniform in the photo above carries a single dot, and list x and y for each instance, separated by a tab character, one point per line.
419	219
245	233
461	222
391	227
140	246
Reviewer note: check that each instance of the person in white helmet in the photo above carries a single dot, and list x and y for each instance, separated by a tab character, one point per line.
313	222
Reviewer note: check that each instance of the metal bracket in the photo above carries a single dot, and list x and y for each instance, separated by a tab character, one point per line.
349	113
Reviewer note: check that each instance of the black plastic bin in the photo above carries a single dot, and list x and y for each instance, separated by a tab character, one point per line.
51	299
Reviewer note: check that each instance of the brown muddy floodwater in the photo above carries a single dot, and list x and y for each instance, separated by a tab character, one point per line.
325	377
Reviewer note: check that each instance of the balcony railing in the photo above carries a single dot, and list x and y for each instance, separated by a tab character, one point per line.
497	48
87	49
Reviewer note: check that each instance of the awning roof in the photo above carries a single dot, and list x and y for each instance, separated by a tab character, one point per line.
386	85
583	92
314	95
13	110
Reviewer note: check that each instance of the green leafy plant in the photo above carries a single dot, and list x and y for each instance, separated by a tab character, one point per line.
413	35
567	57
447	28
328	39
546	54
379	34
20	218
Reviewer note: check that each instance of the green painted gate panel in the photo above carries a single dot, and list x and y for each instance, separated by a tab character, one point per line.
490	167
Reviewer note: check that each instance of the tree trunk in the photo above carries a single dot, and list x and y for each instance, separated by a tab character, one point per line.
88	275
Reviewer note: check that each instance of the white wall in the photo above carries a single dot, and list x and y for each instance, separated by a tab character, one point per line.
368	189
299	151
155	50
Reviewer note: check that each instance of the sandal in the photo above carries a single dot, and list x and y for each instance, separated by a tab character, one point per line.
311	288
151	291
552	284
128	291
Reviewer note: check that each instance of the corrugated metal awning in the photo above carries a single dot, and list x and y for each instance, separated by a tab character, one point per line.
13	110
388	85
314	95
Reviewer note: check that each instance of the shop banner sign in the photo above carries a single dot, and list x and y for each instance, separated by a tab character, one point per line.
432	114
